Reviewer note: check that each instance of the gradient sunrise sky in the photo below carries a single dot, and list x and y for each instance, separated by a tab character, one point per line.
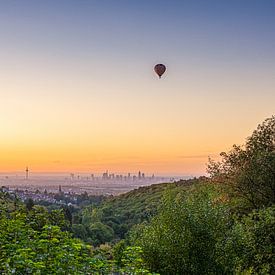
78	91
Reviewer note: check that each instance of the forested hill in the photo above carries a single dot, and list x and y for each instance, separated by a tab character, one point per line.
111	220
142	203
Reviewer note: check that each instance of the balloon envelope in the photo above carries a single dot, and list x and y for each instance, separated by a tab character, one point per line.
160	69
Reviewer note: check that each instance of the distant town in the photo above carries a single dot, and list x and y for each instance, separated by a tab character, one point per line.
40	185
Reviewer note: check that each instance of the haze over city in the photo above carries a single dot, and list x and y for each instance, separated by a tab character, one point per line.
79	93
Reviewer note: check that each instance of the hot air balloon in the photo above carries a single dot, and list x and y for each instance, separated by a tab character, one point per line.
160	69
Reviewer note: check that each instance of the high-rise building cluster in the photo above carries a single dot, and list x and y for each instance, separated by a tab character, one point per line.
119	177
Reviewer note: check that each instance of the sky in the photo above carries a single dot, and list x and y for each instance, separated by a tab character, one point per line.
78	92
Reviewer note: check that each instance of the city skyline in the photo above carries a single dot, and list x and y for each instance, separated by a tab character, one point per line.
104	174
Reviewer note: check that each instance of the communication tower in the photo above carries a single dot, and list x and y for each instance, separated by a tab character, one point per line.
27	173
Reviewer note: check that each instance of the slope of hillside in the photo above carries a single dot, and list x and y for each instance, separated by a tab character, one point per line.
142	203
111	220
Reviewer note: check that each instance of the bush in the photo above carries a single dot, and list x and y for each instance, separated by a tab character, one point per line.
182	238
250	245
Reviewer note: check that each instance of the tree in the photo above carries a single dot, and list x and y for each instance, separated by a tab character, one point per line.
249	170
100	233
46	250
68	214
248	248
80	231
132	262
182	238
29	204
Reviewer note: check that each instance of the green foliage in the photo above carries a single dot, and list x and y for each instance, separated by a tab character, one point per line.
39	216
6	202
79	231
182	238
132	262
31	244
250	170
30	249
249	247
122	213
100	233
68	214
118	250
29	204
